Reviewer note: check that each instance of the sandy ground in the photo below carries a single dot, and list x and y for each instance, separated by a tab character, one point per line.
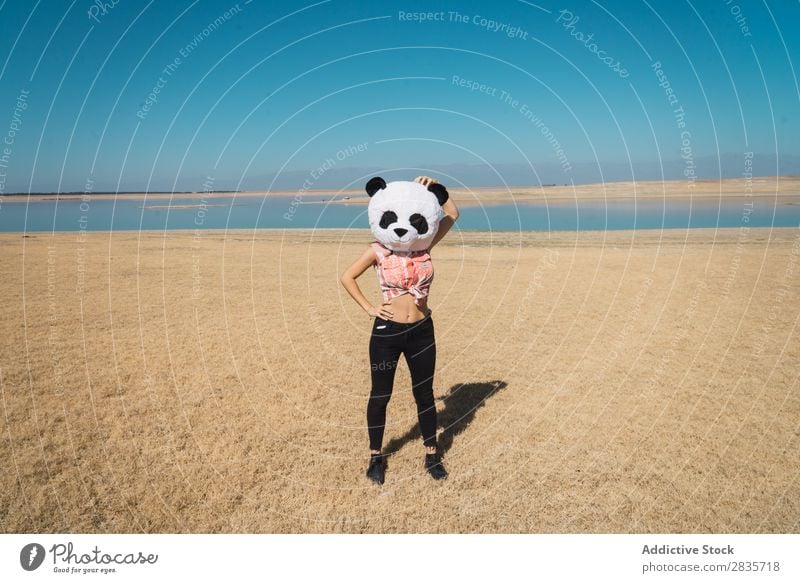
217	382
785	189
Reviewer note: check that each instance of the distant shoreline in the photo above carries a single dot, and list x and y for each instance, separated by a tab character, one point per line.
728	189
499	236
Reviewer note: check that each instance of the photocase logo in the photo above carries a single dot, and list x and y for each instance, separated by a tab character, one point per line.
31	556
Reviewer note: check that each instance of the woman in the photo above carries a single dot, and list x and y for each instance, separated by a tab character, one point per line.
403	324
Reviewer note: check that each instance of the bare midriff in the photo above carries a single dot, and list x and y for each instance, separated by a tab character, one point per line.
406	310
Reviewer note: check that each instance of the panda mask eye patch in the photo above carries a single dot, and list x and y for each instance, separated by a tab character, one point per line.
419	223
387	219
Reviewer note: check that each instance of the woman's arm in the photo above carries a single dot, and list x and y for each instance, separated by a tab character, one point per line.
449	208
348	280
451	214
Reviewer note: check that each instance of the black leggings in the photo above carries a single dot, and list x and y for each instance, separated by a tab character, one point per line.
416	341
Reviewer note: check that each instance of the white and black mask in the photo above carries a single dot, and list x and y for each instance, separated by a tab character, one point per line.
404	216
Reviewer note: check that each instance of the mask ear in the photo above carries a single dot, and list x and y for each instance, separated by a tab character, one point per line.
375	184
440	191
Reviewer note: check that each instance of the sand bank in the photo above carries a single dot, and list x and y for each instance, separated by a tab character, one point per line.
783	188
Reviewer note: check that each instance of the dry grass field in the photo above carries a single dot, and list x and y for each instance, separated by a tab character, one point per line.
217	382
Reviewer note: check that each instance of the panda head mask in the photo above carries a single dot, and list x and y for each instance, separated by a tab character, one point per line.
404	216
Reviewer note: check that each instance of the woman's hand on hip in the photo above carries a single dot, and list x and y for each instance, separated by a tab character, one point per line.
383	311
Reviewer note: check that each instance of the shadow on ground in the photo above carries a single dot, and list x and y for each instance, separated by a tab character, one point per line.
460	404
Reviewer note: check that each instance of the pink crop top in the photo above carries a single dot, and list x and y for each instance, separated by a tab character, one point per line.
403	272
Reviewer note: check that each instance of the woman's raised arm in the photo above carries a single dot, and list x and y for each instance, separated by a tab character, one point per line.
450	216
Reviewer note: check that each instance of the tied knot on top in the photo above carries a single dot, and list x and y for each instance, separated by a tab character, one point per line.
402	272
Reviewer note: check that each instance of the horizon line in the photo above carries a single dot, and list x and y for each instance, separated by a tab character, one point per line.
327	190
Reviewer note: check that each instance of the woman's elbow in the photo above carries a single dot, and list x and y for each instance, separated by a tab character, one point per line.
451	210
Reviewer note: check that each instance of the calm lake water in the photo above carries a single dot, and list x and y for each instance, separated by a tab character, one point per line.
248	212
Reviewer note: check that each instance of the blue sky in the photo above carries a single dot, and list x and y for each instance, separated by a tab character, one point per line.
295	95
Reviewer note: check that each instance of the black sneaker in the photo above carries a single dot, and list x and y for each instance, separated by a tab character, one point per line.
377	467
433	463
